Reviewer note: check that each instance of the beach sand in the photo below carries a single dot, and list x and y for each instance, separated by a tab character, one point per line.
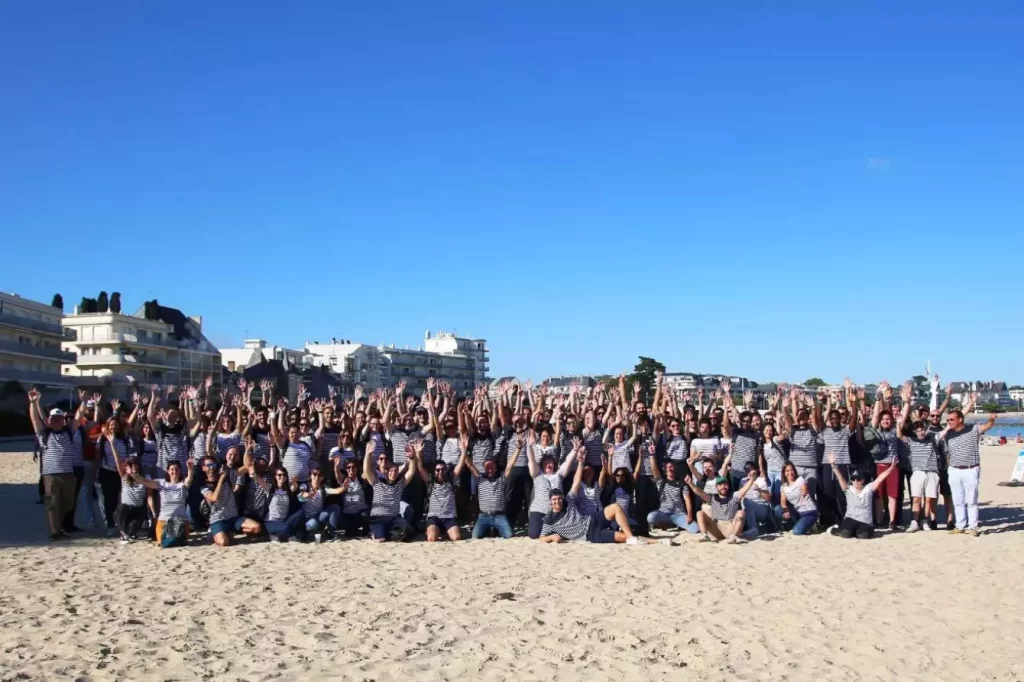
928	605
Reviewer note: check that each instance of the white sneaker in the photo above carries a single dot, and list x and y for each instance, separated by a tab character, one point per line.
666	541
319	537
712	538
703	538
913	527
731	540
925	525
633	540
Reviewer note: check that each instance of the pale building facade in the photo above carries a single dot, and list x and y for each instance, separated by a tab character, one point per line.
31	339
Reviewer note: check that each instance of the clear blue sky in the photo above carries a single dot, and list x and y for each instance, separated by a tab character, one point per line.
776	190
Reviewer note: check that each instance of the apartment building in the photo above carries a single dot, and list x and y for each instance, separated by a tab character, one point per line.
31	337
254	351
157	345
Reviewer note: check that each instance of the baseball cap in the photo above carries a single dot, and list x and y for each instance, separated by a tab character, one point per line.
856	474
55	412
721	479
90	403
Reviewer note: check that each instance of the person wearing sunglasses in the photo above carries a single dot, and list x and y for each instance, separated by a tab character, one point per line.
321	520
355	512
441	499
297	454
284	512
386	510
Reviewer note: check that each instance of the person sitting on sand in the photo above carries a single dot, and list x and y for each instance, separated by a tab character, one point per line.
491	487
675	508
385	514
796	506
441	497
220	495
568	522
721	517
859	500
284	513
545	479
355	511
320	519
132	511
173	503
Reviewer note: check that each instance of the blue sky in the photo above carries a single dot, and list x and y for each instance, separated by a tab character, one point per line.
777	190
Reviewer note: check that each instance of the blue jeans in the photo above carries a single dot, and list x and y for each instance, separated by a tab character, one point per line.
678	520
485	522
286	527
329	516
802	523
756	513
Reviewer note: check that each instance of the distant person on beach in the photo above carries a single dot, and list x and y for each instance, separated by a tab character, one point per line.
59	444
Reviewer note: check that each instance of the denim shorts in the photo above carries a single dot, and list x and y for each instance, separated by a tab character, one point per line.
227	526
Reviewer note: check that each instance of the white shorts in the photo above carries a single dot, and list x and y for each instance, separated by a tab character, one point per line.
924	484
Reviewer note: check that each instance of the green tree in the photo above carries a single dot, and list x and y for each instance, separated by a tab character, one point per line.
57	302
643	374
992	407
115	302
102	302
816	382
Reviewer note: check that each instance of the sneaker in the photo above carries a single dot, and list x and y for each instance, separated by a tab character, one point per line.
319	537
731	540
125	539
893	528
955	531
913	527
703	538
974	532
925	525
633	540
275	538
666	541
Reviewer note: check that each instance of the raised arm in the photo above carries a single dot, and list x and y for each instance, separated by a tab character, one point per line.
34	411
989	424
531	462
414	461
369	474
836	471
696	491
578	476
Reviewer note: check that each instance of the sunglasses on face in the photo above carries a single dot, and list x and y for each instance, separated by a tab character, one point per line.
279	475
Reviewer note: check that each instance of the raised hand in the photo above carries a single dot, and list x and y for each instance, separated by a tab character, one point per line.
907	391
82	394
832	458
847	384
33	395
748	397
242	385
636	388
209	382
431	383
96	398
115	406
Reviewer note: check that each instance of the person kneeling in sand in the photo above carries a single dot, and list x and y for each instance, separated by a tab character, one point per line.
172	523
722	516
859	495
567	523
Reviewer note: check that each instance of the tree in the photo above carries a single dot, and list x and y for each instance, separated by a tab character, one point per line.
643	374
992	407
115	302
57	302
101	302
816	382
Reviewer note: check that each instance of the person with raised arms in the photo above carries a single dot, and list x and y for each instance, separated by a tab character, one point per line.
385	513
859	494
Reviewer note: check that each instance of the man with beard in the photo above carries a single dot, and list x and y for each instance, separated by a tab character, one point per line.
441	486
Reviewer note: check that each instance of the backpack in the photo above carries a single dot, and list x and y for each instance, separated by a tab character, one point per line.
174	533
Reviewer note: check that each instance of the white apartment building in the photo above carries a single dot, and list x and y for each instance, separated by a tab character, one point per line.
30	344
169	350
683	382
446	343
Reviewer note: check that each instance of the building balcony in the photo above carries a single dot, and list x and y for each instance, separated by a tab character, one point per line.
9	319
39	379
122	359
130	339
28	350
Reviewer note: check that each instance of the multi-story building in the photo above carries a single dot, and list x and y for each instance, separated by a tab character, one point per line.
164	348
1017	395
475	350
561	385
357	363
30	345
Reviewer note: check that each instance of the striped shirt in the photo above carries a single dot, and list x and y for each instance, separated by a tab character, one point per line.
677	449
859	504
724	508
710	447
279	505
623	498
450	451
353	501
149	456
132	494
171	446
644	452
256	498
430	449
542	487
387	498
774	456
199	446
380	445
803	450
589	501
744	450
924	455
509	442
883	443
313	503
58	449
621	456
329	439
480	448
296	460
491	494
671	494
565	446
224	507
573	523
263	442
963	447
399	438
594	446
441	499
107	457
837	442
794	493
173	499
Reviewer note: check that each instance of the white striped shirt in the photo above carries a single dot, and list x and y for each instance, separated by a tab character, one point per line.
572	524
923	453
107	457
794	493
803	450
724	509
859	504
279	505
450	451
744	450
224	507
387	498
836	441
58	449
592	442
132	494
314	503
542	487
171	446
441	499
296	460
620	456
173	499
963	447
671	494
491	494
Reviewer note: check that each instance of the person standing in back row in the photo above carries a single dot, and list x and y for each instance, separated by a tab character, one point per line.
59	444
963	448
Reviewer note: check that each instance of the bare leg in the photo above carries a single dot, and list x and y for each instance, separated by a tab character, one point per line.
222	540
738	524
454	534
432	533
711	526
614	512
915	508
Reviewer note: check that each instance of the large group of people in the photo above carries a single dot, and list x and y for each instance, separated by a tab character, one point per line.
597	464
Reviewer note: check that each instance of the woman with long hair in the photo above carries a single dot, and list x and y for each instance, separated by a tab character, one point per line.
796	506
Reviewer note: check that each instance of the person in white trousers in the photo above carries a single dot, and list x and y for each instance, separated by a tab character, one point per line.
963	448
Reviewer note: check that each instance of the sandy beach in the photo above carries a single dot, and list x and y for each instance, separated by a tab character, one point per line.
927	605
